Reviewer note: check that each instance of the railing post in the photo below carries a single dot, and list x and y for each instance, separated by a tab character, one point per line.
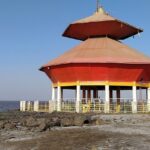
78	99
52	106
148	99
107	107
134	102
28	105
22	105
36	106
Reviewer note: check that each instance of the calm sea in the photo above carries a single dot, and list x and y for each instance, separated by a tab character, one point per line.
9	105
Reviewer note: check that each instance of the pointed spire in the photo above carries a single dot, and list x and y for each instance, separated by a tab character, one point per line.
97	5
99	8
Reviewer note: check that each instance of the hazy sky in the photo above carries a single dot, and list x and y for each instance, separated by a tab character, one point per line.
30	36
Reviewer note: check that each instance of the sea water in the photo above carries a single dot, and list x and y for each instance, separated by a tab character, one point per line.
9	105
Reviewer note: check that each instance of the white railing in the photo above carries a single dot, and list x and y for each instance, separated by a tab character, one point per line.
88	105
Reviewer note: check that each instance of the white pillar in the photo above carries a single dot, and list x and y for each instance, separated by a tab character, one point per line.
134	102
107	98
36	106
53	101
20	105
58	98
53	94
78	99
148	99
23	105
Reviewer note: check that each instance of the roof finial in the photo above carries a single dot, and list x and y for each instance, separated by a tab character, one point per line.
98	4
99	8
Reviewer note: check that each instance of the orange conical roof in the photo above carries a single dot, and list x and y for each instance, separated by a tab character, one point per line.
101	50
98	25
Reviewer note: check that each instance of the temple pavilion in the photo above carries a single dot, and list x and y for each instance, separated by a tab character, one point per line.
101	62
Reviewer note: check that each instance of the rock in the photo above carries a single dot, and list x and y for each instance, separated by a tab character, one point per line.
31	122
22	121
55	121
65	122
43	124
39	124
99	122
40	121
9	125
2	124
96	120
80	120
42	127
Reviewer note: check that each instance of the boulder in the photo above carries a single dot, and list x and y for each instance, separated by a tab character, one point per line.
65	122
31	122
98	121
42	127
80	120
44	124
55	121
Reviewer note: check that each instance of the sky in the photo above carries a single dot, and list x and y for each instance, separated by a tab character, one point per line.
30	36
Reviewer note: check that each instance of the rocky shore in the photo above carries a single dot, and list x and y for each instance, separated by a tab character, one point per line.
40	122
44	131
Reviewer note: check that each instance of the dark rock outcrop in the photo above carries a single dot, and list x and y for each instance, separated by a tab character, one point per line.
39	122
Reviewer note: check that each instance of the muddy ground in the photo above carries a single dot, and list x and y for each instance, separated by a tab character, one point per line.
109	132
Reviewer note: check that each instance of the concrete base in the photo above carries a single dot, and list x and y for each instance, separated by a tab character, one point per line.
36	106
52	106
148	106
58	106
28	105
107	107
